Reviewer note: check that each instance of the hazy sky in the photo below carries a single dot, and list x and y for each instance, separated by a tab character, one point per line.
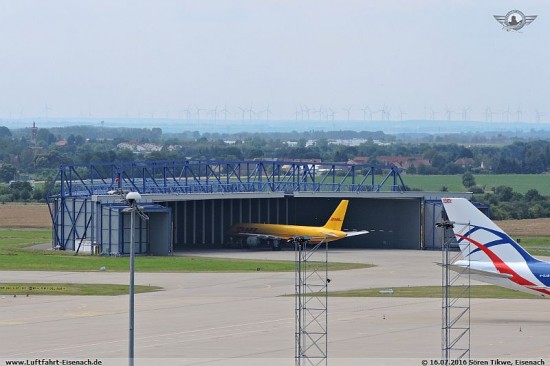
116	58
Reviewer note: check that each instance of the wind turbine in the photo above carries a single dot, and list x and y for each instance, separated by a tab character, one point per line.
382	114
46	109
519	113
332	114
320	111
349	112
401	113
297	112
365	113
187	114
465	111
243	110
250	112
492	114
489	114
388	114
449	112
267	113
214	113
307	111
433	113
371	113
224	111
538	115
199	112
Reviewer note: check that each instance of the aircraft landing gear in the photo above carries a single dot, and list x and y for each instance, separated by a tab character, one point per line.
276	245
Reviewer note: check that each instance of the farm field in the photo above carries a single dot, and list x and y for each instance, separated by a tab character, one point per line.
519	182
30	216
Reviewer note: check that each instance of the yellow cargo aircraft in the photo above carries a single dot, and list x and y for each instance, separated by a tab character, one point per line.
274	233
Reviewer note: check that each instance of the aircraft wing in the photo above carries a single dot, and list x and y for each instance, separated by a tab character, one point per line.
535	287
461	270
276	237
355	233
263	236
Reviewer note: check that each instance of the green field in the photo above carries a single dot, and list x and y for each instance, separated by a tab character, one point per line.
519	182
536	245
14	256
83	289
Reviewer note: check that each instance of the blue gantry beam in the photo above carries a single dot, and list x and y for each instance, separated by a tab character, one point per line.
149	177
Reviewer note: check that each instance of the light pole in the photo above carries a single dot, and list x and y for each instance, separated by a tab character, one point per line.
132	198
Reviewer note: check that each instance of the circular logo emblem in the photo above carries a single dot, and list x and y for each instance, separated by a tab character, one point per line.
514	20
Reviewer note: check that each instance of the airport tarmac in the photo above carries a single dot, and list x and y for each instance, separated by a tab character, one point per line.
242	319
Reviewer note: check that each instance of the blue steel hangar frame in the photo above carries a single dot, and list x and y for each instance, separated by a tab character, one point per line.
75	184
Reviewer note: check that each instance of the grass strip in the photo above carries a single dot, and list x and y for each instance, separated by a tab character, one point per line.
55	261
536	245
14	256
83	289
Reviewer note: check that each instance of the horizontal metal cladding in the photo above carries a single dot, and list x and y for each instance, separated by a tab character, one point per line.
192	177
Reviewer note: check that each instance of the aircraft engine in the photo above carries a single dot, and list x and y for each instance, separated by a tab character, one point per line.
252	241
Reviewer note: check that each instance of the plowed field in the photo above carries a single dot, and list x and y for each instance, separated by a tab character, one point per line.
530	227
25	216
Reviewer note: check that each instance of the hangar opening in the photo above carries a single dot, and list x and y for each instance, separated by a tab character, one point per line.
205	223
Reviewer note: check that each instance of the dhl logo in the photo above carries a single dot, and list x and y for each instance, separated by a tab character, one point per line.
336	219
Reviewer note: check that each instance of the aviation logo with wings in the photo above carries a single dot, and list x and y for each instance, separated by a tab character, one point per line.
514	20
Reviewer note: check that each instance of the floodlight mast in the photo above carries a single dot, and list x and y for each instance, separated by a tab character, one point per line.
131	199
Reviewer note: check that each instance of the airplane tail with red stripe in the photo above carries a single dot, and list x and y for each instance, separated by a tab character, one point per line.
490	255
480	239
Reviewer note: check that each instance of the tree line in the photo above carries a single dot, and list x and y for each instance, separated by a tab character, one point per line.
42	158
87	144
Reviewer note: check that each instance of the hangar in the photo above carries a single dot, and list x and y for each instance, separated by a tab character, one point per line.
191	204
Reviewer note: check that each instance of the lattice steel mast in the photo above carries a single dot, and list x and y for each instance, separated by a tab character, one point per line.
455	309
311	285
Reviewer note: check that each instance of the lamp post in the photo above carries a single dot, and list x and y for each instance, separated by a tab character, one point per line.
132	198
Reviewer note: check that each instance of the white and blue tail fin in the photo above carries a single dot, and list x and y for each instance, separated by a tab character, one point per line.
480	239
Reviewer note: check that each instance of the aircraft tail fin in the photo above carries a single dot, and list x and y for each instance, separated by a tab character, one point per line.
479	238
337	218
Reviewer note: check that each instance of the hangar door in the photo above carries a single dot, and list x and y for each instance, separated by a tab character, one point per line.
434	236
151	236
393	223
